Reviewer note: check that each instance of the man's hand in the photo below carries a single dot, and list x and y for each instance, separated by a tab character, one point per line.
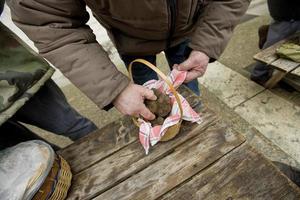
195	65
131	101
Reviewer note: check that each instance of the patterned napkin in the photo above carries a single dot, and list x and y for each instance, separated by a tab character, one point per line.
151	135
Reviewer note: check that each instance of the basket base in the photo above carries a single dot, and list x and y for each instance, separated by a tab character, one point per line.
171	132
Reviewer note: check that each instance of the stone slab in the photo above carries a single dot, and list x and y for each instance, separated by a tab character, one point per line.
243	44
296	72
228	85
253	136
258	7
276	118
269	149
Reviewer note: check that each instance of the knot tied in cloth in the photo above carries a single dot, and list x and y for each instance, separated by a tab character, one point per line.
149	134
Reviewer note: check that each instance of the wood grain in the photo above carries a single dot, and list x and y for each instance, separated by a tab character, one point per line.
98	145
285	65
186	160
131	159
241	174
268	55
276	77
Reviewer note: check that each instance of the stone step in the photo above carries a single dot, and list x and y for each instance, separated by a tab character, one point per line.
275	118
258	7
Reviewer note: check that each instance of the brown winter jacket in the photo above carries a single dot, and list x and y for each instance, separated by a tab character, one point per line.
137	27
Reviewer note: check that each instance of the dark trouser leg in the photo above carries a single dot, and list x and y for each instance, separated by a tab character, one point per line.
141	73
261	73
13	132
48	109
177	55
277	31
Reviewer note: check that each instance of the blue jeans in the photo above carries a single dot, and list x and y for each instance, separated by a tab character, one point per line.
174	55
277	31
48	109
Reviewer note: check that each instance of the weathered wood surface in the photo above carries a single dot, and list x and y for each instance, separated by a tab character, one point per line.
128	161
269	56
98	145
241	174
276	77
184	162
285	65
111	164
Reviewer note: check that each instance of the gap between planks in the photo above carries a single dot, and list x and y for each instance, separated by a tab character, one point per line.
99	145
186	161
265	182
83	180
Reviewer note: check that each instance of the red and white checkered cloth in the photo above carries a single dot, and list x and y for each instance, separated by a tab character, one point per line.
151	135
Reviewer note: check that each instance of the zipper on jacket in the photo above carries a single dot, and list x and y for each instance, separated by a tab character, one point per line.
172	6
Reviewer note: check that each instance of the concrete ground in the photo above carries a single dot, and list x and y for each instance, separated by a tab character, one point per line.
270	120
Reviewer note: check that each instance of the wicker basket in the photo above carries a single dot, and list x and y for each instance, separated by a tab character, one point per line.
173	130
57	183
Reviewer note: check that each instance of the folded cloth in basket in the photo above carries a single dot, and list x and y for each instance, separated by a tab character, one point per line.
151	135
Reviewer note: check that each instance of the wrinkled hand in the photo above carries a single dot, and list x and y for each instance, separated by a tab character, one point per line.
195	65
131	101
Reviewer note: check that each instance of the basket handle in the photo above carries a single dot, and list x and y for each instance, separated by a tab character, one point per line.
162	75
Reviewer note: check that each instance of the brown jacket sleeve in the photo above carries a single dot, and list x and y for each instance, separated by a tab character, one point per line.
216	24
58	29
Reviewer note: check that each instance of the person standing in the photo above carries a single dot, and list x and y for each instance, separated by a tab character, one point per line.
29	95
286	22
191	32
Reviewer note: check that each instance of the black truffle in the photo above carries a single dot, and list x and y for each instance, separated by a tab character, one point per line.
161	107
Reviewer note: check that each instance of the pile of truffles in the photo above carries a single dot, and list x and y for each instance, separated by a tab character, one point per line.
161	107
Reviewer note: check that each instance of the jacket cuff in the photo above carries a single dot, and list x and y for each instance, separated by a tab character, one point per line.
211	59
123	82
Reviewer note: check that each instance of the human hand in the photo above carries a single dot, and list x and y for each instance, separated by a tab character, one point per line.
131	101
195	65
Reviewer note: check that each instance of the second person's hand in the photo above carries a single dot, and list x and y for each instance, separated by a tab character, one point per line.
195	65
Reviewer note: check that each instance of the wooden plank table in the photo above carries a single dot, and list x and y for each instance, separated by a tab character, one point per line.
281	66
205	161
